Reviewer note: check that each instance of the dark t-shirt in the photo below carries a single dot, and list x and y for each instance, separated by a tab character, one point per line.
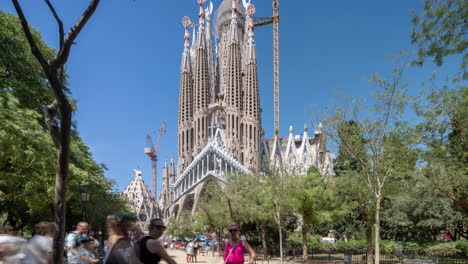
146	257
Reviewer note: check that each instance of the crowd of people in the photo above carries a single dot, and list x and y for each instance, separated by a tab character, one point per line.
84	247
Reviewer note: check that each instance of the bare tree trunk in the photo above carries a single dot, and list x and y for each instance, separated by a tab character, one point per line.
61	183
280	231
377	229
369	241
264	242
305	254
60	110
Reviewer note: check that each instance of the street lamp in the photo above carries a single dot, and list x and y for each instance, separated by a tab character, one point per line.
84	198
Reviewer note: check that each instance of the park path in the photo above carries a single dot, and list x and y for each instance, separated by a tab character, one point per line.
179	257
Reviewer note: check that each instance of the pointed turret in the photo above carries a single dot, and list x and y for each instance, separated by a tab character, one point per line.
140	200
251	120
185	103
209	49
233	99
201	87
172	179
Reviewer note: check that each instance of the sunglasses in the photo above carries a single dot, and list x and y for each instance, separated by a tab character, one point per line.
232	230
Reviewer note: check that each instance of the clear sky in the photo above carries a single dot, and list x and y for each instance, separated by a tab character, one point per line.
124	68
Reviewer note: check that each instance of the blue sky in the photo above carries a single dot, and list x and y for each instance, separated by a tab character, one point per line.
124	68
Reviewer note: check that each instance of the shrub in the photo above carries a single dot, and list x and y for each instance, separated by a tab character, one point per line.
351	246
462	245
388	247
411	248
444	249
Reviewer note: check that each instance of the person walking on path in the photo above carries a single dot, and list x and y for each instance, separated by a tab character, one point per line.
189	251
72	242
235	248
195	250
120	249
149	249
39	247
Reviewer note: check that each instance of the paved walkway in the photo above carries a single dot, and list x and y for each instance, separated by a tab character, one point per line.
179	257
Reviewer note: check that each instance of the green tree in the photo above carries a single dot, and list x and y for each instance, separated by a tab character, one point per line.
441	31
383	131
313	201
443	133
28	158
247	194
276	188
26	164
58	114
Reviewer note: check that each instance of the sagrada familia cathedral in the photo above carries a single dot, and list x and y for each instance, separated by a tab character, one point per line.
219	120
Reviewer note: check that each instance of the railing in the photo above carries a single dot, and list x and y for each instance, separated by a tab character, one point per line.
337	257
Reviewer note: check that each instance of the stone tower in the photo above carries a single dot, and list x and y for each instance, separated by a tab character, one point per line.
227	82
233	86
185	128
251	121
201	86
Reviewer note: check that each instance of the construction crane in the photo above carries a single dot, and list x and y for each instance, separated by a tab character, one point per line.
262	21
152	152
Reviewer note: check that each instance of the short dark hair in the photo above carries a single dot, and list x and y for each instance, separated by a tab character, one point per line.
155	223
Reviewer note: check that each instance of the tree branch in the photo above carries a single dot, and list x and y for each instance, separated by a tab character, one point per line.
34	49
64	52
59	22
50	112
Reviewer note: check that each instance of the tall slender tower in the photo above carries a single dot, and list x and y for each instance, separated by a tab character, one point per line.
185	128
233	89
251	122
201	81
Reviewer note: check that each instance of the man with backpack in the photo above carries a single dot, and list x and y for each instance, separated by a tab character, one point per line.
73	241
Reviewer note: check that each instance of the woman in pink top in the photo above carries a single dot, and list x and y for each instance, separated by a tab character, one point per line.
235	248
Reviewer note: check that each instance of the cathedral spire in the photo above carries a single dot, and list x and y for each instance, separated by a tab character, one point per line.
185	103
201	87
251	121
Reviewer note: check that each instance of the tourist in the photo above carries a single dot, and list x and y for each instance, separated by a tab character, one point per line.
10	245
86	252
39	248
149	248
119	246
72	242
195	250
189	251
235	248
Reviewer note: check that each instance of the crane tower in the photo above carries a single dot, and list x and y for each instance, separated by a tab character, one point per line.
261	21
152	152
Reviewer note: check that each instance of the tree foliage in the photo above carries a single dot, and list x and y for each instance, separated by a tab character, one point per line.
313	201
441	30
443	133
27	153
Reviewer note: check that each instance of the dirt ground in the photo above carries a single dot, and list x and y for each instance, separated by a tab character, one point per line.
179	257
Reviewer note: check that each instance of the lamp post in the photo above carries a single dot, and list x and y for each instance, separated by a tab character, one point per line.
84	198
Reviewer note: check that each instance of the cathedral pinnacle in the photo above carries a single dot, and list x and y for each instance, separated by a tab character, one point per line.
201	15
250	24
234	9
186	22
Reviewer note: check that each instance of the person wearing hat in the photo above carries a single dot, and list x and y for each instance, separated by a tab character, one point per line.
149	249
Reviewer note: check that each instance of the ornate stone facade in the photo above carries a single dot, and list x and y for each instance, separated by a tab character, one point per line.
141	201
219	127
